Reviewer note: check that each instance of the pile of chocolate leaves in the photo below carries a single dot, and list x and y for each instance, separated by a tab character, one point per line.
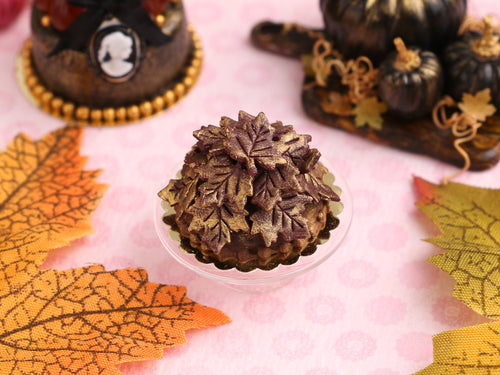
251	176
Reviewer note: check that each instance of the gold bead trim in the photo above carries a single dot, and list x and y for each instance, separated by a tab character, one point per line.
82	115
46	21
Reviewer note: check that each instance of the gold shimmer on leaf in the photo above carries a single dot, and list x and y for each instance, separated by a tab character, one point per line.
469	219
369	112
215	223
224	178
81	321
251	142
466	351
285	218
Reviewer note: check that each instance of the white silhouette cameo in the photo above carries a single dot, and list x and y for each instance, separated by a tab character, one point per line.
114	50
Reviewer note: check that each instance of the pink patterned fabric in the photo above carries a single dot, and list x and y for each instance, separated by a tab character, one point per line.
371	309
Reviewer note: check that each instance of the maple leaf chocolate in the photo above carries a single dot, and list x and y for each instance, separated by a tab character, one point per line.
250	194
110	61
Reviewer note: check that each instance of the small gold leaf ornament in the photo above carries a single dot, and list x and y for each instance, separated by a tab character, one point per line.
475	109
369	112
478	105
337	104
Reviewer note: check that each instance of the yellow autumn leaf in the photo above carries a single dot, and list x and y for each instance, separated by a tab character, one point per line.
478	105
469	219
369	112
466	351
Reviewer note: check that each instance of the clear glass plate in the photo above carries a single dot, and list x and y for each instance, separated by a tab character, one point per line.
259	280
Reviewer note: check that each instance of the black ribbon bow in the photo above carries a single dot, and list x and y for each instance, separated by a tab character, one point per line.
129	12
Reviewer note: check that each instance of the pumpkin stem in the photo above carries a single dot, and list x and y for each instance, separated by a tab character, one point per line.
489	45
407	60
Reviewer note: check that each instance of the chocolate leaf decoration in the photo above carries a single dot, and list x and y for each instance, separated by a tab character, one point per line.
195	157
266	192
269	183
209	135
285	219
211	138
296	144
172	193
215	223
181	192
225	180
312	159
251	142
245	117
313	185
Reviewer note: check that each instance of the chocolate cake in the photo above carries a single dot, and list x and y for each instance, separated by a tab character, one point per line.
250	195
112	61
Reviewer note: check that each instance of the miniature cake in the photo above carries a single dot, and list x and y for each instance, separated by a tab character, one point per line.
251	194
126	56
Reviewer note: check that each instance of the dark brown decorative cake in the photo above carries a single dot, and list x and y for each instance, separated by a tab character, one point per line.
251	194
110	61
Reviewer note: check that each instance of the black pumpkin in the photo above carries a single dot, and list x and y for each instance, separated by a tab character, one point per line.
473	64
411	81
368	27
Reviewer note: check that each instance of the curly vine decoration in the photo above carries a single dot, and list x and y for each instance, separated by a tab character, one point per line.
464	127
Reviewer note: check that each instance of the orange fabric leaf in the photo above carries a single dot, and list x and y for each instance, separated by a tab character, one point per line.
86	320
45	198
81	321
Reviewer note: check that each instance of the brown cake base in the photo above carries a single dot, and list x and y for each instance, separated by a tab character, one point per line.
247	253
418	136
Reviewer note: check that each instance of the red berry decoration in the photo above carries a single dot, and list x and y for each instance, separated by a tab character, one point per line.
62	14
9	10
155	6
43	5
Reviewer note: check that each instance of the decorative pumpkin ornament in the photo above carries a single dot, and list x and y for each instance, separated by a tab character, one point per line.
411	81
368	27
473	64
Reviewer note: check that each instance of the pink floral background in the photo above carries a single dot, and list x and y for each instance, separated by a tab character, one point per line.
370	309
